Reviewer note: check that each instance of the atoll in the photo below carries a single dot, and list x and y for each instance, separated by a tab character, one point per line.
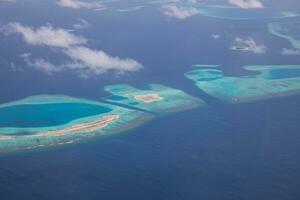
154	98
26	130
50	120
271	81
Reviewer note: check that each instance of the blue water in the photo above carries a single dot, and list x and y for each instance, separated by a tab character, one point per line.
239	152
43	115
236	152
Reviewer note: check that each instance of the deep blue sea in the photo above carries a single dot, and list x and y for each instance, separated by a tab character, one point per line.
230	152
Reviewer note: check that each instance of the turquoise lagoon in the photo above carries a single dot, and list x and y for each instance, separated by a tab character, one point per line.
270	81
23	123
287	30
47	114
172	99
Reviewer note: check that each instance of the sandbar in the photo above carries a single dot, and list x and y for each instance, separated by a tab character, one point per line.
5	137
148	98
84	127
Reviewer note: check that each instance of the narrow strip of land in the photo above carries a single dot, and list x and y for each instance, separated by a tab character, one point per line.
84	127
77	128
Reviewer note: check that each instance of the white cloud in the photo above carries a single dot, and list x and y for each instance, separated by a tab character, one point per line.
82	60
192	1
98	61
8	1
16	68
290	52
179	12
76	4
40	64
248	44
247	3
215	36
45	35
82	24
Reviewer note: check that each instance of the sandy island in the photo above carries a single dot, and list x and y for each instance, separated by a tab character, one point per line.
5	137
84	127
148	98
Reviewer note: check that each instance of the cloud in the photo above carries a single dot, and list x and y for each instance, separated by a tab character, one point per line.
82	24
179	12
290	52
45	35
248	44
98	61
16	68
40	64
83	60
215	36
247	3
8	1
76	4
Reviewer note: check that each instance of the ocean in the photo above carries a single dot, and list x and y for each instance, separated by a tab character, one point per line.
231	152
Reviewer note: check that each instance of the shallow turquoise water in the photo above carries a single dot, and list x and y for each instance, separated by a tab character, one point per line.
43	115
283	73
116	98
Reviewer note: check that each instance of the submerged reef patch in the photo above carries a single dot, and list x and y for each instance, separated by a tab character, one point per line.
154	98
225	11
271	81
287	30
235	13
